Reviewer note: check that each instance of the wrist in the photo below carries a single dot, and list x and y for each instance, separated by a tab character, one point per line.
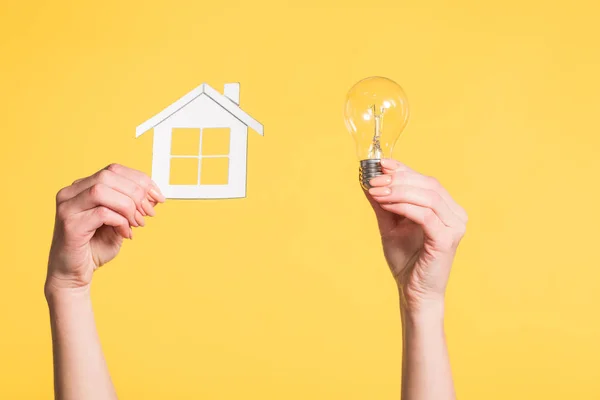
55	292
427	319
422	312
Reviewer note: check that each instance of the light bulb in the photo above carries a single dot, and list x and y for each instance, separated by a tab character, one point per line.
376	113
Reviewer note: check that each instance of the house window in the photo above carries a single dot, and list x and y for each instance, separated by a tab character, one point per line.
214	168
200	156
185	152
184	171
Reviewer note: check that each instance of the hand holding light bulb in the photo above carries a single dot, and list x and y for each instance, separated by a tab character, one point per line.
421	227
420	224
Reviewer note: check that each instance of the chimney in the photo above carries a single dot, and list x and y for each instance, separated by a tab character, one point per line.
232	92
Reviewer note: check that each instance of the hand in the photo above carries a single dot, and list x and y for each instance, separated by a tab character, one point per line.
93	215
421	227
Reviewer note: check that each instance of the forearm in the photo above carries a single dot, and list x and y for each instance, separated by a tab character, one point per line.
426	373
80	371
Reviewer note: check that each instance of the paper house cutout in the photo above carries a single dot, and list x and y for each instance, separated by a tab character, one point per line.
202	108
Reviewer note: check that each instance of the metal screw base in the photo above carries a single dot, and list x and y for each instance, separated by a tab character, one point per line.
369	169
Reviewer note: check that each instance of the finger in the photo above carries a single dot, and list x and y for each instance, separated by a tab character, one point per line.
110	179
139	178
416	196
102	195
93	219
422	216
411	178
390	165
115	181
156	194
70	191
381	180
147	207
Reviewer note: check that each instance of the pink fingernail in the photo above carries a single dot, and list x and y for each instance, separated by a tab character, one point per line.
139	219
380	191
148	209
156	195
157	188
381	180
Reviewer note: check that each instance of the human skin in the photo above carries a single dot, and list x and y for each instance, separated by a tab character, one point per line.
93	217
420	225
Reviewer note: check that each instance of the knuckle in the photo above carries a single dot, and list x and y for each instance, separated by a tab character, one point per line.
145	182
97	190
102	212
69	224
139	194
127	207
62	211
61	195
114	167
104	175
435	184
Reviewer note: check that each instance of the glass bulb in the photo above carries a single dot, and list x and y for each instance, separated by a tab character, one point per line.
376	112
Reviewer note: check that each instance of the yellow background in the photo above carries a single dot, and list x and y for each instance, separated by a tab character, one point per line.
285	294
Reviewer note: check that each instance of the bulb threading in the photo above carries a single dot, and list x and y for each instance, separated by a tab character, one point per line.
369	169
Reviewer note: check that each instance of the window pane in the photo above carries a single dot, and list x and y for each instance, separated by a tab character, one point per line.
184	171
215	141
214	171
185	141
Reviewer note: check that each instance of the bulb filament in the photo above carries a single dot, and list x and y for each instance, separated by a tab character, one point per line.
375	152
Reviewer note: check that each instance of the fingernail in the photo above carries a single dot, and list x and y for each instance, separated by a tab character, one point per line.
130	234
381	180
157	188
156	195
147	207
380	191
139	219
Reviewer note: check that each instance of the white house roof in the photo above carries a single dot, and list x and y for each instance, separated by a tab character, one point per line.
214	95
